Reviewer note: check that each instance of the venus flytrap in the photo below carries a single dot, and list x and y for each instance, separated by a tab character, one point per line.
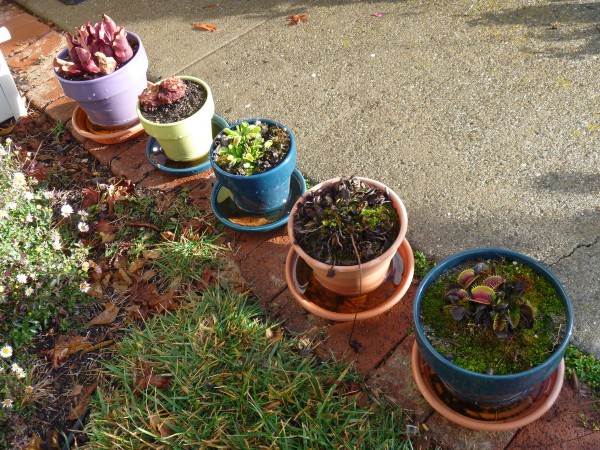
243	146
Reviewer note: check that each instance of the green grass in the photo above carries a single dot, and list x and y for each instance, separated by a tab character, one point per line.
231	386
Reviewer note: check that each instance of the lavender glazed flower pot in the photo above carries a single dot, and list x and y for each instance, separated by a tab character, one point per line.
110	101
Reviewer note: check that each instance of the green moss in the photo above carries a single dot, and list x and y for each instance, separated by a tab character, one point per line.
476	348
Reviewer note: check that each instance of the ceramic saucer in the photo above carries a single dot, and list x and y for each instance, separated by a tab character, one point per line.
228	213
85	128
485	418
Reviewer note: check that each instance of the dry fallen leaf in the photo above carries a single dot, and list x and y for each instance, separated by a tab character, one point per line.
204	26
274	336
295	19
161	426
83	401
63	348
149	379
107	316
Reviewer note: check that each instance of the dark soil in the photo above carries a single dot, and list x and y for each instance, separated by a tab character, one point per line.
272	156
346	224
92	76
194	99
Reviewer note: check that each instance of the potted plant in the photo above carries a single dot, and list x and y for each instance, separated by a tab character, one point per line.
348	230
255	160
104	71
178	112
492	324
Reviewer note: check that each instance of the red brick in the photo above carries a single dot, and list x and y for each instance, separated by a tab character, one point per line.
44	48
244	243
395	379
293	317
61	109
561	427
132	164
451	436
265	268
45	93
24	28
374	338
104	153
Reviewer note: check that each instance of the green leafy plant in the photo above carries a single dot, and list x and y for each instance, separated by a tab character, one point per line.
422	264
490	300
251	148
585	366
41	259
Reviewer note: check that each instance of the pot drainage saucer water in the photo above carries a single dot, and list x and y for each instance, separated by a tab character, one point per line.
237	219
485	418
159	160
102	135
323	303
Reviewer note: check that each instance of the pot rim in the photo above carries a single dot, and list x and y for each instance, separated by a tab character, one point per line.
388	254
196	80
486	252
290	153
67	82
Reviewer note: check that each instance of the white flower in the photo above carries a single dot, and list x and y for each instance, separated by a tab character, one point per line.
83	227
15	368
11	206
85	266
55	235
56	245
8	141
66	210
48	195
7	403
19	180
29	218
33	180
28	195
21	374
3	214
2	151
83	214
28	291
6	351
84	286
22	278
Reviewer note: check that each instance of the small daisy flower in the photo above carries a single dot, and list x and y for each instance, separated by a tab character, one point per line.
48	195
6	351
8	141
7	403
20	374
56	245
3	214
22	278
83	214
66	210
85	266
84	286
28	291
29	218
28	195
15	368
19	180
11	206
55	235
83	227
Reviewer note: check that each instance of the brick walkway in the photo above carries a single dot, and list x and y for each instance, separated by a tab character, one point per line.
384	344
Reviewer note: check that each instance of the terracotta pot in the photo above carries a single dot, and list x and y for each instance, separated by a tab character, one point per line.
353	280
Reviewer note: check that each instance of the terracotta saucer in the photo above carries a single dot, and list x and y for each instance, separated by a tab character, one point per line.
485	418
324	303
85	128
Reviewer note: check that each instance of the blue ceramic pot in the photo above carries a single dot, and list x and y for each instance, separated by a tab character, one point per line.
264	192
480	388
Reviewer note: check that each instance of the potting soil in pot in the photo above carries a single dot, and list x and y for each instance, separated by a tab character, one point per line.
192	101
500	318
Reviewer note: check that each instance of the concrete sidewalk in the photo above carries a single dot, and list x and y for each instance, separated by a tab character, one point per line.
483	118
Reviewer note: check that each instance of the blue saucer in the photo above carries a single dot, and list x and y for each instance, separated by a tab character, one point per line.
159	160
233	217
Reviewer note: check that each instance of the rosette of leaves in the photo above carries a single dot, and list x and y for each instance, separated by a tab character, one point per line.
250	149
164	93
490	301
346	224
99	49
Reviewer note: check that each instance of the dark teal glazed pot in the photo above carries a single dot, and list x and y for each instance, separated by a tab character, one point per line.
479	388
264	192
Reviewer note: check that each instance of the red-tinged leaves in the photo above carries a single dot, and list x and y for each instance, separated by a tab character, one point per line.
89	197
483	294
493	281
204	26
148	379
63	348
110	313
295	19
466	277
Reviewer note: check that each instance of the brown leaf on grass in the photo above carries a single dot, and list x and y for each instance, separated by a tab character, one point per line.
147	294
161	426
63	348
138	311
136	265
149	379
107	316
152	254
168	235
194	228
163	302
274	336
83	401
90	197
142	225
204	26
295	19
96	290
143	293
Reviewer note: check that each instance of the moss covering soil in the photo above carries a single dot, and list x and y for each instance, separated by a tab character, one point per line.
479	349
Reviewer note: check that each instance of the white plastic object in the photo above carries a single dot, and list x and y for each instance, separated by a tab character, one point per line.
11	103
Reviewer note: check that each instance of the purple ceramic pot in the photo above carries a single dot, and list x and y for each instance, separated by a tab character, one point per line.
110	101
